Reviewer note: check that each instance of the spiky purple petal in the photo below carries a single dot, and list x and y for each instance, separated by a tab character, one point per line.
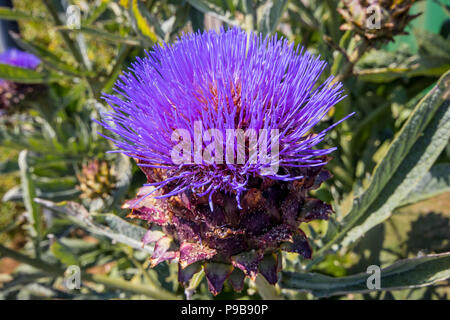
227	80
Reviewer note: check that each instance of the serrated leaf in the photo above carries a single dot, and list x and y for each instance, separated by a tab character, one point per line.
404	274
216	274
22	75
401	170
122	227
407	160
13	14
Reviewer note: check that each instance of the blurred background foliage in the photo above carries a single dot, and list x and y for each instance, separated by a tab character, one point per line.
62	193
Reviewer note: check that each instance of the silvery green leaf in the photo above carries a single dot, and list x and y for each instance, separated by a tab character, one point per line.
435	182
22	75
404	274
28	194
401	169
116	228
13	14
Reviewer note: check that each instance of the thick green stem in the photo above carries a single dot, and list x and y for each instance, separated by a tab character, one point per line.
347	68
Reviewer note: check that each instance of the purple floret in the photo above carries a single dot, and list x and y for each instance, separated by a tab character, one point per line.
18	58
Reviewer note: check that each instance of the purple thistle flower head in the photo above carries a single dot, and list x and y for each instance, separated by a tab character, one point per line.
222	81
188	97
18	58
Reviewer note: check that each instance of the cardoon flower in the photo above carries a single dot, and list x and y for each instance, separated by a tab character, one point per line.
11	93
229	215
377	20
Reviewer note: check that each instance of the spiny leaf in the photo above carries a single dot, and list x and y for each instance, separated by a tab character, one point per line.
29	192
404	274
403	171
117	229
